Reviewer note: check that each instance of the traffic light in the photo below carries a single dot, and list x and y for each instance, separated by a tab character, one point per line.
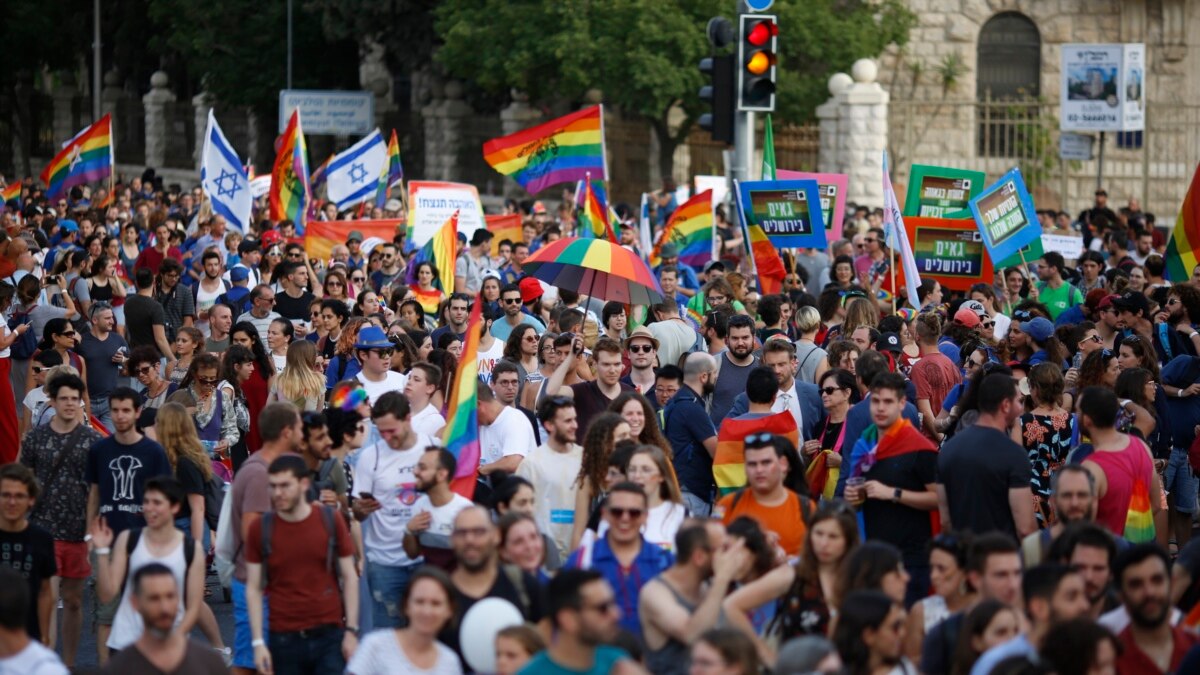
758	35
719	94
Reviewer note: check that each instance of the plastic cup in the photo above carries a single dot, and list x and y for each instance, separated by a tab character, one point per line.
856	484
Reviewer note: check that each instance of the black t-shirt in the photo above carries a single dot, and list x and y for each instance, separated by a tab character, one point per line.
31	553
533	607
589	402
977	468
294	309
121	472
192	479
142	314
904	527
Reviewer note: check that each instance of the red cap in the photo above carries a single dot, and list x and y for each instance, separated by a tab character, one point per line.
1106	301
531	289
270	238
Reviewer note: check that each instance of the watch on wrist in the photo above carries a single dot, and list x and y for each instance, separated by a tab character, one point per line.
896	494
352	631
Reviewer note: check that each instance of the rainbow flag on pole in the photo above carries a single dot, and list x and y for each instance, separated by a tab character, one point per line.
562	150
393	171
86	158
461	435
439	250
764	257
11	192
1181	255
593	220
691	230
290	184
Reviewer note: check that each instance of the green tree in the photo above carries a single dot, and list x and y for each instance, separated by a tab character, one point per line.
643	54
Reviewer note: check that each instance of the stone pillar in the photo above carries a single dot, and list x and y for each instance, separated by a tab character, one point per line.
155	102
863	134
64	93
827	117
374	76
516	116
111	93
443	133
202	103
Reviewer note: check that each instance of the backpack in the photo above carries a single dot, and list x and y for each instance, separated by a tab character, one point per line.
25	345
322	476
189	554
214	499
327	515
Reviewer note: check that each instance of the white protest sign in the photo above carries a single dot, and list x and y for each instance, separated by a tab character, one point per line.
1070	247
432	203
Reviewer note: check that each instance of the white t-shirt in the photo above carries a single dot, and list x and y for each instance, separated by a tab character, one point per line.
429	421
35	659
204	302
488	360
388	475
127	624
34	398
441	523
553	475
4	331
380	654
510	434
393	381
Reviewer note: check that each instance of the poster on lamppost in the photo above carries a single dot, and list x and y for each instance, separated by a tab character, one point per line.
941	192
1103	87
832	187
1004	214
950	251
788	211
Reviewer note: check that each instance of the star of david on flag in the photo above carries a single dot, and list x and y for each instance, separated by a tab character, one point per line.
224	179
350	178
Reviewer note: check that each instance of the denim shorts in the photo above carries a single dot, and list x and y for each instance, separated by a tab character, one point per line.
243	653
1180	482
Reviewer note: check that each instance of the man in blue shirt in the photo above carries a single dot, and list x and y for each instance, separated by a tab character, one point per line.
689	283
691	433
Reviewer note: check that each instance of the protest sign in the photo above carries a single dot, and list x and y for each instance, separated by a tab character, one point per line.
432	203
1103	87
1069	247
718	184
1005	216
949	250
832	187
941	192
789	211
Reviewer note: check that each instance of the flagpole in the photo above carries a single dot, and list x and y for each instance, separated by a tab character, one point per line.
892	266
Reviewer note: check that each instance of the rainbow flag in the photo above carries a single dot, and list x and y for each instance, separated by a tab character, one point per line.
559	151
11	192
767	263
1181	255
593	220
461	435
729	462
290	184
322	235
506	226
428	300
439	250
86	158
1139	522
392	173
691	230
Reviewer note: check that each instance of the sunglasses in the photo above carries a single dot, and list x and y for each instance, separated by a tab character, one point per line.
39	369
870	241
335	283
207	380
68	334
620	513
145	370
760	439
512	301
383	353
532	338
357	280
828	391
987	324
1091	338
641	349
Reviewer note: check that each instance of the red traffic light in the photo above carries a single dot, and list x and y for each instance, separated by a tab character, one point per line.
761	33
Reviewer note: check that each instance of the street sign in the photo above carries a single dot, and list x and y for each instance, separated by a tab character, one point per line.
759	5
332	113
1075	146
1103	87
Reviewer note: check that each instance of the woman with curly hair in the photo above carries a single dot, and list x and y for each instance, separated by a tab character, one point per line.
605	430
1099	369
1136	351
636	410
521	348
1045	432
300	383
843	354
344	364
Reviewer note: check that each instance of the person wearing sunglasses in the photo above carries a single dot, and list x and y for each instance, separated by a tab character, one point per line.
642	347
210	408
36	399
59	335
510	304
374	351
872	265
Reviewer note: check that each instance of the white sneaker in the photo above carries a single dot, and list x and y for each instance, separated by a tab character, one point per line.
226	655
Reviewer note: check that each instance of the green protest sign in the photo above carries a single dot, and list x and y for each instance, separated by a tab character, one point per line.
941	192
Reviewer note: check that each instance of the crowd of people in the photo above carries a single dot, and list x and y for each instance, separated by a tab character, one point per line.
725	482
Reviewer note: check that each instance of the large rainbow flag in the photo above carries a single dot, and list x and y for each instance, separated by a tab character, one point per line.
11	192
691	230
559	151
1181	255
729	462
504	226
86	158
439	250
461	435
322	235
594	219
392	173
290	184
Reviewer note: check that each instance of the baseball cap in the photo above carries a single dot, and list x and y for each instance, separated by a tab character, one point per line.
713	264
890	342
1106	301
975	306
965	316
68	226
1038	328
270	238
531	289
1134	301
668	251
355	235
239	273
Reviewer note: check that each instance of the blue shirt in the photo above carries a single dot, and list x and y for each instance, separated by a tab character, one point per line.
606	658
687	426
649	563
1018	646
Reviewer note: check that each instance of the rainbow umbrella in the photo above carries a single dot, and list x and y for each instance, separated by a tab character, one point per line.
598	267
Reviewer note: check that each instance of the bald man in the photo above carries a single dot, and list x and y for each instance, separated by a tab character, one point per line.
691	432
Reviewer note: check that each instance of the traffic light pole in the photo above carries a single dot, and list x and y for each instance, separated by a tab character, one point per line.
743	146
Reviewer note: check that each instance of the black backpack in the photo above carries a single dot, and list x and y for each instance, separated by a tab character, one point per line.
189	554
25	345
327	515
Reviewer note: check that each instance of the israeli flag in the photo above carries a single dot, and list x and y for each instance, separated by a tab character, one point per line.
353	175
224	179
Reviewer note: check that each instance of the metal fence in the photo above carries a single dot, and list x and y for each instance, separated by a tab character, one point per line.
796	148
993	136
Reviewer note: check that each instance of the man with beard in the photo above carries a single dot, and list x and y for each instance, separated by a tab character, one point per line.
582	610
1090	550
1073	496
1053	291
594	397
552	468
1183	303
427	534
479	574
459	313
1108	323
733	366
329	484
211	287
1053	594
1151	644
691	433
162	647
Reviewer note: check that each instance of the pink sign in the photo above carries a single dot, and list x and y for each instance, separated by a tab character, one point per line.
832	187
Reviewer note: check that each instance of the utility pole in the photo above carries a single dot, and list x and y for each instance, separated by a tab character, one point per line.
96	61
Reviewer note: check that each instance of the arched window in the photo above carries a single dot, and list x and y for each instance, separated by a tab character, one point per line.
1009	67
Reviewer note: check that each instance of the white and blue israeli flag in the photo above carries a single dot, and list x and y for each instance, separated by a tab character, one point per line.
224	178
353	175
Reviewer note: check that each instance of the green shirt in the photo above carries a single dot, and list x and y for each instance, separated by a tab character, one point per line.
1057	300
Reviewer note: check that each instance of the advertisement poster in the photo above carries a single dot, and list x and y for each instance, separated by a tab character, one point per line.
1103	87
789	211
950	251
1005	216
832	187
941	192
431	203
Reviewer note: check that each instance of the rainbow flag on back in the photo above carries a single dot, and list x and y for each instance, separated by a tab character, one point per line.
86	158
392	173
11	192
290	184
691	230
461	435
1181	255
429	300
559	151
729	462
1139	522
593	220
439	250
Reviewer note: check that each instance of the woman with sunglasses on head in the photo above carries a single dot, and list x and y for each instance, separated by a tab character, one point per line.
805	594
1045	432
210	408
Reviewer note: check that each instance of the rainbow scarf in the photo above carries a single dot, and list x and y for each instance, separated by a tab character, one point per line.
461	435
901	439
729	461
87	157
429	300
1139	521
691	230
290	184
562	150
